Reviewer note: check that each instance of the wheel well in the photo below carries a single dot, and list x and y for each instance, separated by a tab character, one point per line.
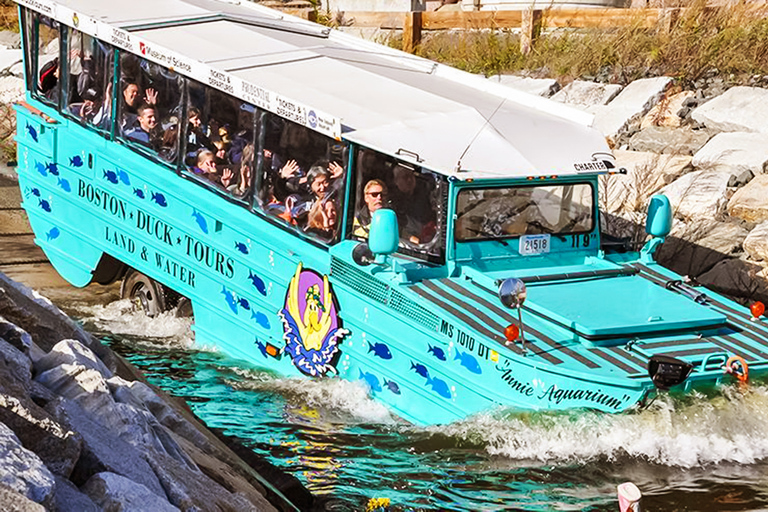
108	270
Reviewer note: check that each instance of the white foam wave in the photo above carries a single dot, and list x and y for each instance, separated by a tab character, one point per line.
332	395
698	431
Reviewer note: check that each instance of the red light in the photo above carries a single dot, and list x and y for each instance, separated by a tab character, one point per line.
511	332
757	309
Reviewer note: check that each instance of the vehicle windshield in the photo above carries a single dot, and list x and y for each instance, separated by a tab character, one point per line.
513	211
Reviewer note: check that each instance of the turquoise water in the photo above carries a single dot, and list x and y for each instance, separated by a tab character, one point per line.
698	453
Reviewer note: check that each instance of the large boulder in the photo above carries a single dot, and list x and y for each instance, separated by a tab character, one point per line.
750	202
77	383
72	352
69	498
15	370
646	174
741	154
756	243
102	449
113	492
193	490
674	141
692	248
23	471
633	101
739	109
582	93
12	501
46	323
56	446
699	194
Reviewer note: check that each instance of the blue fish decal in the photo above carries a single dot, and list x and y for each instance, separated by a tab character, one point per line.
262	348
52	234
241	247
440	387
159	199
64	184
32	132
200	221
40	167
437	352
468	361
371	380
380	350
45	205
420	369
257	283
35	192
138	193
244	303
229	298
123	177
76	161
260	318
111	177
53	168
392	386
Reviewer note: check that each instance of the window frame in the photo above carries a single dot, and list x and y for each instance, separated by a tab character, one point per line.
33	85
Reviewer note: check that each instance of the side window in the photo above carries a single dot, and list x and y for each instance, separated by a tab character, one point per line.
89	81
149	108
47	86
417	196
302	177
219	140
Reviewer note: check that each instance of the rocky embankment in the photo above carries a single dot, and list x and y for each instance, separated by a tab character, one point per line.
81	431
706	149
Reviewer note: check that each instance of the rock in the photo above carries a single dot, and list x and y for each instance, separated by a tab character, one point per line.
10	39
43	321
545	87
632	102
23	471
40	394
675	141
12	501
646	174
56	446
68	498
665	112
16	336
756	243
113	492
699	194
695	247
11	89
192	490
737	278
102	450
750	202
86	387
741	154
72	352
15	370
8	58
584	93
739	109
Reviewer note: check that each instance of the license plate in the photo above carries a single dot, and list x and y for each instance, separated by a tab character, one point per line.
534	244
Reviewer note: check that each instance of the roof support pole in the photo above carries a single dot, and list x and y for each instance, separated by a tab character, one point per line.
411	31
530	30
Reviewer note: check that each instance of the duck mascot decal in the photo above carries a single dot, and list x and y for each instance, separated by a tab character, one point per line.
311	324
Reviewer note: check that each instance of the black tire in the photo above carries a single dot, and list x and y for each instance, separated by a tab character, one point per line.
184	308
145	293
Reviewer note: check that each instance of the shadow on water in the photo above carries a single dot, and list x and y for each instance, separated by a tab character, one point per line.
695	453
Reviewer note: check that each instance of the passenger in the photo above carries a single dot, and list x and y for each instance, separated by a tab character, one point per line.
132	102
146	130
375	197
244	135
242	186
319	179
199	135
411	201
205	163
88	108
169	143
49	80
322	219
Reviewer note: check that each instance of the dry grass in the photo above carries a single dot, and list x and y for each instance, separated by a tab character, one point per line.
733	40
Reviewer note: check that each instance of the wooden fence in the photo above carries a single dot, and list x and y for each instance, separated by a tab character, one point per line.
530	22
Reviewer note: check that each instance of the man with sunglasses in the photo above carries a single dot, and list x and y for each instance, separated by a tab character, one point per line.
375	196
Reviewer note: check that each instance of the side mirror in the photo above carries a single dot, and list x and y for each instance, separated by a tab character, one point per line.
659	221
383	234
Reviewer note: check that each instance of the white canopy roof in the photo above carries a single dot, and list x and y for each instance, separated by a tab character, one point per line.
449	121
